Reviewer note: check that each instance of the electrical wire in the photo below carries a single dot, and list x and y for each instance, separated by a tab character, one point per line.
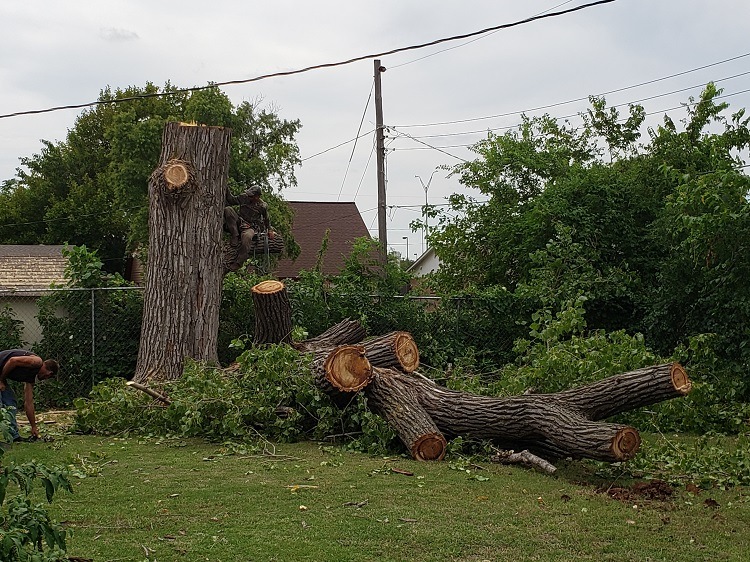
469	42
359	130
509	127
313	67
338	145
529	110
623	104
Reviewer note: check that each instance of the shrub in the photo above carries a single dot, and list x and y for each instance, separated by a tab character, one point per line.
27	533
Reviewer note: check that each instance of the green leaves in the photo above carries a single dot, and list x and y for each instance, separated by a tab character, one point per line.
26	528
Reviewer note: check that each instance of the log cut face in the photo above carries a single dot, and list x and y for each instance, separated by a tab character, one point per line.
183	279
341	372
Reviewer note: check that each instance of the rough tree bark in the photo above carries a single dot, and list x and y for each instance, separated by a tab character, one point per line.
396	349
184	272
401	408
550	425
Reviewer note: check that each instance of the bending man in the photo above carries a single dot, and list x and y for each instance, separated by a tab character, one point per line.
23	366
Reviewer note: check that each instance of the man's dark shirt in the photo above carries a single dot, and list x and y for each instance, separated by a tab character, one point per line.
20	374
254	213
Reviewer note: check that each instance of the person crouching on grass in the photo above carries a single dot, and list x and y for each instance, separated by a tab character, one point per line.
23	366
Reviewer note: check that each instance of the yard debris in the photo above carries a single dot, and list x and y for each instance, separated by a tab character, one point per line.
657	490
358	505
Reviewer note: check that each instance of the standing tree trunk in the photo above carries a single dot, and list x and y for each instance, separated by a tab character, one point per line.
184	270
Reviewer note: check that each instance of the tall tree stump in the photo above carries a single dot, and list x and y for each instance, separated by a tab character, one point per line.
183	278
273	313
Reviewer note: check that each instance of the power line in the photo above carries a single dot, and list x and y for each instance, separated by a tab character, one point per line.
655	96
557	104
509	127
314	67
402	134
468	42
529	110
364	113
339	145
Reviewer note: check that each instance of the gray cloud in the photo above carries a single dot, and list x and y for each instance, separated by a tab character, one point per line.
118	35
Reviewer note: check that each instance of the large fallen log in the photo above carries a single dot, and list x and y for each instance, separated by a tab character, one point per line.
549	425
396	349
344	333
424	414
341	372
400	406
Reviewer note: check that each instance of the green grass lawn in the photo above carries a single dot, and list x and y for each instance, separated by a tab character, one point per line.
157	499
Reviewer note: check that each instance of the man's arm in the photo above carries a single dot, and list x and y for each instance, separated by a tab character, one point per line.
266	220
33	361
28	406
231	199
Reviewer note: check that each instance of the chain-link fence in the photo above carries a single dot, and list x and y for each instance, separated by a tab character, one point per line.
94	333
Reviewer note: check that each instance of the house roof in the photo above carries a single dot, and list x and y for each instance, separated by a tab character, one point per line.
27	267
311	221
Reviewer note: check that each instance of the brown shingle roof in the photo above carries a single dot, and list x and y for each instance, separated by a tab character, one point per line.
311	220
25	267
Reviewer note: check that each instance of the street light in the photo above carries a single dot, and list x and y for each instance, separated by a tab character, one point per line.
407	245
424	211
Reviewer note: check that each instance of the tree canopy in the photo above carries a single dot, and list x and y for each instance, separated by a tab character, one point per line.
653	230
92	188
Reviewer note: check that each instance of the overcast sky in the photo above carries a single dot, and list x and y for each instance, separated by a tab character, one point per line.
55	53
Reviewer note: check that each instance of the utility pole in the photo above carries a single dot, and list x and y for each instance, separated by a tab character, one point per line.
380	149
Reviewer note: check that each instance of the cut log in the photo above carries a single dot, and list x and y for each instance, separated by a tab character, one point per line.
544	427
400	406
273	316
342	372
346	332
396	349
628	391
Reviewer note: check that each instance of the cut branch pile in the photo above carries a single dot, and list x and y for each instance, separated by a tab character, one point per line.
526	429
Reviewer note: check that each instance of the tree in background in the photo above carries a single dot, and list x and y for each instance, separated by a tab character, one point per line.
653	234
91	188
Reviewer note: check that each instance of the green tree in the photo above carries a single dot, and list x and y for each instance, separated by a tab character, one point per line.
653	232
91	188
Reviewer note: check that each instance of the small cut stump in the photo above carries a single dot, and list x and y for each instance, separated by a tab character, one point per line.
273	313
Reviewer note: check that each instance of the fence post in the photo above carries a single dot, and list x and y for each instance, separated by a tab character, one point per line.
93	341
